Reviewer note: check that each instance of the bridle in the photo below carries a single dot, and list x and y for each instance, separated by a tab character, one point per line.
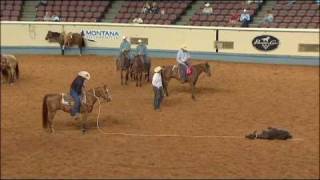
104	95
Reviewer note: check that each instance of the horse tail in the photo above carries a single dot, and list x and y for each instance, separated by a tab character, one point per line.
45	112
17	71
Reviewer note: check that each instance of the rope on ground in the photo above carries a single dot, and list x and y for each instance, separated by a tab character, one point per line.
164	135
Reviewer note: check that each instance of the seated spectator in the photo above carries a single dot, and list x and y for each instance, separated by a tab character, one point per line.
290	2
268	18
249	2
137	20
207	9
155	9
47	16
42	2
55	18
245	18
162	12
234	18
146	8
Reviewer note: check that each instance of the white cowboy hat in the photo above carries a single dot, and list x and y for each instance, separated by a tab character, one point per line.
84	74
207	4
184	47
139	41
157	69
244	10
124	37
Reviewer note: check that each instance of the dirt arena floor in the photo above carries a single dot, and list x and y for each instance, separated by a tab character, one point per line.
237	99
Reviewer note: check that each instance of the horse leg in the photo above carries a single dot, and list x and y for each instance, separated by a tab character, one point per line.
80	48
140	79
121	76
83	122
127	77
192	91
50	121
62	50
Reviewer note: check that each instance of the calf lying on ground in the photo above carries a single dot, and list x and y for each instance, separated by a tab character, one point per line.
270	133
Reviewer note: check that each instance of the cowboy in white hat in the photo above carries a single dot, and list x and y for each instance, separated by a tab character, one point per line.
125	46
142	50
77	90
157	88
183	60
245	18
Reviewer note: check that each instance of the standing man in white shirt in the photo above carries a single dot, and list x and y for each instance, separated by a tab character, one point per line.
157	88
183	58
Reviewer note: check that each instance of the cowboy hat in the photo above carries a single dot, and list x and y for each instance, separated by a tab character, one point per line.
84	74
184	47
139	41
157	69
207	4
124	37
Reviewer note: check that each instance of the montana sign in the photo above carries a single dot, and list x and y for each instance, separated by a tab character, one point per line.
265	42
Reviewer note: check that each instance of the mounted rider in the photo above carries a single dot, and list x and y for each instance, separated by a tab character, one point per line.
77	91
183	60
125	46
142	50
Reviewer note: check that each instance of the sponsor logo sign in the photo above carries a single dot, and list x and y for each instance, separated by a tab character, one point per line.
265	43
102	34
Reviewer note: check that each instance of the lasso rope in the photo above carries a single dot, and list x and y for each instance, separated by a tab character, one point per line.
164	135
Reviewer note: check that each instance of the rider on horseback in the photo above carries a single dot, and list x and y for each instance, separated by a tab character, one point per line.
142	50
77	90
125	46
183	57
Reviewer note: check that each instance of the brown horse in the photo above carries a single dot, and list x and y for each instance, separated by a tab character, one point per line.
138	69
171	71
67	40
123	63
9	68
54	102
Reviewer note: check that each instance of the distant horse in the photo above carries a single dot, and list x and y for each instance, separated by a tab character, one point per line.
138	69
67	40
53	102
124	65
9	68
146	68
171	71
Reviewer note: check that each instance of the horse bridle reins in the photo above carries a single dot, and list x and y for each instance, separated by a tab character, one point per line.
98	98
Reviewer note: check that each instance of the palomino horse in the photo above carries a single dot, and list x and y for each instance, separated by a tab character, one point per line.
172	71
124	66
67	40
9	68
138	69
54	102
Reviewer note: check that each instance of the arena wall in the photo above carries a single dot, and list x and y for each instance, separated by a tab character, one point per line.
294	46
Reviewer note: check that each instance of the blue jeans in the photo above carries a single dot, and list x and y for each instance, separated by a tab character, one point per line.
77	104
183	71
158	96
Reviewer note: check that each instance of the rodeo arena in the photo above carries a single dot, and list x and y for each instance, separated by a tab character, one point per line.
97	89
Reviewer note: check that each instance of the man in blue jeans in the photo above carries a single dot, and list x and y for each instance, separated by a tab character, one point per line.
77	90
157	88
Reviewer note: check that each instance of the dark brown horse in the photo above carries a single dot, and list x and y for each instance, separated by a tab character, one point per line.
138	69
67	40
9	68
123	63
171	71
55	102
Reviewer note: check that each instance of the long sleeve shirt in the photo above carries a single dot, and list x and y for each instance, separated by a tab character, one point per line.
142	49
156	80
77	85
182	57
125	45
245	16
